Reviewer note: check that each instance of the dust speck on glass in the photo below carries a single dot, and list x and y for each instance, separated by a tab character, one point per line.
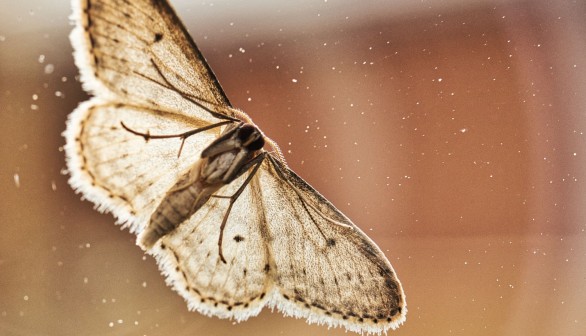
230	225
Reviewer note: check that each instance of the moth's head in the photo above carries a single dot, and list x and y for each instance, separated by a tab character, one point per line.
250	137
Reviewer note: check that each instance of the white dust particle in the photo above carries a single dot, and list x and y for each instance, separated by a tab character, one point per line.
49	68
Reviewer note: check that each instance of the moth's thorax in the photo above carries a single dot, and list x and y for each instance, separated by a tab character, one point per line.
228	155
246	119
214	169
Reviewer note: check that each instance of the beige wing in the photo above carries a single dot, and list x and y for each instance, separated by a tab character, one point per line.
139	52
325	268
145	71
121	172
189	256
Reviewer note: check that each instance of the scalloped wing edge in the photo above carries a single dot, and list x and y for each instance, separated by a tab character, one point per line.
272	299
79	180
82	56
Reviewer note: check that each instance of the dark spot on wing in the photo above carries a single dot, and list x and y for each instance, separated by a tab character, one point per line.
318	306
391	284
238	238
331	242
395	311
158	37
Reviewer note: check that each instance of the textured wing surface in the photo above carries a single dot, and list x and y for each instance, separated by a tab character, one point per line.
139	52
327	269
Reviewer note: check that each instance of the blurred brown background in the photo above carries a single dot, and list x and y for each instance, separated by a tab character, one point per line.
452	132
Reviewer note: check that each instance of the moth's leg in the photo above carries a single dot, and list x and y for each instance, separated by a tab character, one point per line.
183	136
147	136
256	162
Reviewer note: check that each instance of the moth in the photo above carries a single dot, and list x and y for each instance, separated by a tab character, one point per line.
209	196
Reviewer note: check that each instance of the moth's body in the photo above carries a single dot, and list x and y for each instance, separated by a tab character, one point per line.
221	162
190	193
232	228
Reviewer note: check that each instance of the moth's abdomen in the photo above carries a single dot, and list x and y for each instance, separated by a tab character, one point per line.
187	196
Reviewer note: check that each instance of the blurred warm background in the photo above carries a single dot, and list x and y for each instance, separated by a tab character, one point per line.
452	132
